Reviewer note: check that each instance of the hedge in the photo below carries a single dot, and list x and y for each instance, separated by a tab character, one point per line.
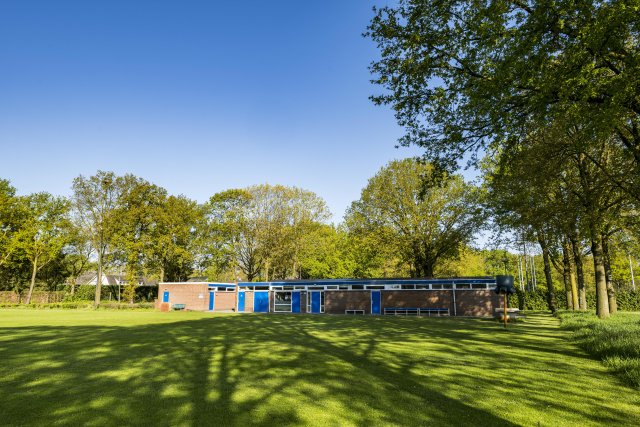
537	300
82	305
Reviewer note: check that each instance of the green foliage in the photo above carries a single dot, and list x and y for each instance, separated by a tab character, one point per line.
463	74
405	210
264	230
628	300
82	305
532	300
615	341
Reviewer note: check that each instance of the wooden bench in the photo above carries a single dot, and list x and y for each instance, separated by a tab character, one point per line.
179	306
404	311
353	311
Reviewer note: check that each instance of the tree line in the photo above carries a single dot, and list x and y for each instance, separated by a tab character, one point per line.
266	232
544	98
410	221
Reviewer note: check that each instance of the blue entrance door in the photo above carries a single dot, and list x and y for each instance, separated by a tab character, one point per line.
261	302
212	299
165	296
315	302
241	301
295	302
375	302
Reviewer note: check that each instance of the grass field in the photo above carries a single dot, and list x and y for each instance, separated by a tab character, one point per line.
150	368
616	341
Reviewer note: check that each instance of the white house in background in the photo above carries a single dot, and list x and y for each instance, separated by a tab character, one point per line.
91	279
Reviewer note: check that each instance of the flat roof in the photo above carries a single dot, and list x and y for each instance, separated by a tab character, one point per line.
218	284
471	280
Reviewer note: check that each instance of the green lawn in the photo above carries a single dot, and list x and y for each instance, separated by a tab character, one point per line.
150	368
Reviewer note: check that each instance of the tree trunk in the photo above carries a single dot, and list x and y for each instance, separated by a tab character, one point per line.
602	299
566	277
551	300
33	280
161	272
611	292
427	269
566	255
577	259
98	282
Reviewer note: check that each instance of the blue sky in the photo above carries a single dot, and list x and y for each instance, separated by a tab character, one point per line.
195	96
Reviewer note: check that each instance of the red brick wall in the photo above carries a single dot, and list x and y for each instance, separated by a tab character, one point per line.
336	302
417	299
188	294
476	302
248	301
225	301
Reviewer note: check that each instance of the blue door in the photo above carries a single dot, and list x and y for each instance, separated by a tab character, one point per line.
212	299
315	302
165	296
295	302
375	302
241	302
261	302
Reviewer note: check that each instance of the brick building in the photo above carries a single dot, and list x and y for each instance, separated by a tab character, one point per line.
428	297
197	296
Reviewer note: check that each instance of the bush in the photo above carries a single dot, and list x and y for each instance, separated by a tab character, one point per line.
615	341
81	305
628	300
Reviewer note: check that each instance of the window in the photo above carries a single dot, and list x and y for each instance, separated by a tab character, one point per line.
463	286
408	286
479	286
282	302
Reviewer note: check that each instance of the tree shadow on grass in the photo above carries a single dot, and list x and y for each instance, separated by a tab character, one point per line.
251	370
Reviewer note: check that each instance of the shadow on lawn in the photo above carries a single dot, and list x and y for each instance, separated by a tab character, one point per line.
247	369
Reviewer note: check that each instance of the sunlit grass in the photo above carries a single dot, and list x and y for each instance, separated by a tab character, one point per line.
616	341
149	368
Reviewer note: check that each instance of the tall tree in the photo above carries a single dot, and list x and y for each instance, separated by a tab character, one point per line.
43	235
12	216
262	229
422	220
463	75
94	201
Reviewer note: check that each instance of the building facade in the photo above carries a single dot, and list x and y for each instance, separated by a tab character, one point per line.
427	297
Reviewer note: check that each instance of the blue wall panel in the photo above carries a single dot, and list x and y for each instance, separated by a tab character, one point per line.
315	302
261	302
295	302
240	302
375	302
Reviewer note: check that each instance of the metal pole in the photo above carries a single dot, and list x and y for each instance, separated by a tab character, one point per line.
633	280
505	310
455	310
533	264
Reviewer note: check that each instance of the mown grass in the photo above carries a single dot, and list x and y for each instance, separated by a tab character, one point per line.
615	341
150	368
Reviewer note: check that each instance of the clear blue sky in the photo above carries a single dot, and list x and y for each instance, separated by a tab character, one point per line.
195	96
